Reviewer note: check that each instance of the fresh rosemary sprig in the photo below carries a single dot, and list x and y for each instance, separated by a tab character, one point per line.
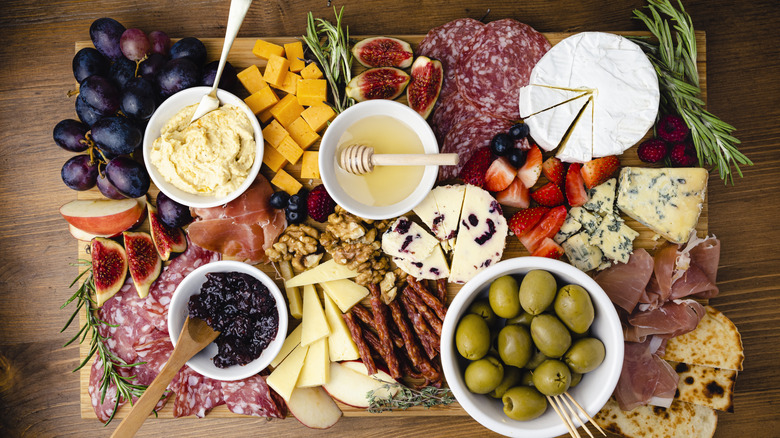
674	59
406	398
330	45
85	302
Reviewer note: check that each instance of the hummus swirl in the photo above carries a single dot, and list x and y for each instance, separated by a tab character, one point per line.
212	156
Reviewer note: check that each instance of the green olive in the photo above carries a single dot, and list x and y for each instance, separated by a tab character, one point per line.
482	308
537	291
514	345
550	336
527	379
524	318
585	355
536	359
511	378
503	297
523	403
576	378
483	375
552	377
472	337
574	307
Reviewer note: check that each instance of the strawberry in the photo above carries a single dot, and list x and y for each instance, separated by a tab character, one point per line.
548	248
474	170
549	195
598	170
652	151
547	227
516	195
576	194
532	168
672	128
319	203
554	170
499	175
524	220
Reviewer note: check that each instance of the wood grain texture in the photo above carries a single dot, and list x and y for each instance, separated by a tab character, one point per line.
39	395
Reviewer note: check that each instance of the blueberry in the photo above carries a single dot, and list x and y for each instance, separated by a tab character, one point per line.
516	157
279	200
519	131
501	144
293	216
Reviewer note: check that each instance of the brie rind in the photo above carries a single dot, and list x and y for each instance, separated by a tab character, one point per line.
577	147
548	128
537	98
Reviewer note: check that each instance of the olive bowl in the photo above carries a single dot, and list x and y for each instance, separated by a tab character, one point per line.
202	362
591	393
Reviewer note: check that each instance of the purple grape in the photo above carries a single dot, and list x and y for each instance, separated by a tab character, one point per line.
134	44
122	70
79	173
105	34
106	188
69	134
228	81
139	99
86	113
152	65
171	212
100	94
128	176
161	42
176	75
88	62
191	48
116	135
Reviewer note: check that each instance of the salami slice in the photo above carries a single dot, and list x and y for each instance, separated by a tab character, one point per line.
195	394
105	407
251	396
468	136
125	322
449	113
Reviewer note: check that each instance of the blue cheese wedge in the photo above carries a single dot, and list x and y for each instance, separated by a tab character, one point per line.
614	238
406	239
666	200
602	198
432	268
569	228
581	253
440	211
588	220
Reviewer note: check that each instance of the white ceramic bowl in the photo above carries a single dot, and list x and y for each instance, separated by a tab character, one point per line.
165	112
202	362
594	389
328	161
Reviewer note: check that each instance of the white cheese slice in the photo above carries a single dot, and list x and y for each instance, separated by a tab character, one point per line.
548	128
315	325
537	98
345	293
432	268
327	271
577	147
406	239
285	376
340	343
292	341
316	366
440	211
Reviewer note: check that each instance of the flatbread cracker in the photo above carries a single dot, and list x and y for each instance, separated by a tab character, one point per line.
706	386
715	342
680	420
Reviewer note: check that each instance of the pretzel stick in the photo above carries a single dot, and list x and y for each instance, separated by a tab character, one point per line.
428	341
357	336
426	311
427	297
383	330
412	349
441	288
365	316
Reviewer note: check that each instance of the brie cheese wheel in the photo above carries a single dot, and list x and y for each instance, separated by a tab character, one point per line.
548	128
537	98
577	146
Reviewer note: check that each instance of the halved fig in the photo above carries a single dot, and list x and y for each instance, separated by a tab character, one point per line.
383	52
167	240
143	262
425	85
378	83
109	268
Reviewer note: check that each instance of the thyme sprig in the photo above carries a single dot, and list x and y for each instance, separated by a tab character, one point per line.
674	60
330	45
85	302
406	398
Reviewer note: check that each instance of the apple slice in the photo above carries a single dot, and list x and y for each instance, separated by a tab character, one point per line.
313	407
83	235
103	217
351	387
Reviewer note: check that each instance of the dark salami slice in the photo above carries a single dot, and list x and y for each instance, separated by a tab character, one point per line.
195	394
250	396
126	321
468	136
449	113
496	63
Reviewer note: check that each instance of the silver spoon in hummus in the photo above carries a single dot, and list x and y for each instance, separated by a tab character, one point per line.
210	102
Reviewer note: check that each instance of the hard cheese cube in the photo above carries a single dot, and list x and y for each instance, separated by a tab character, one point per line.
290	150
311	71
275	70
312	92
294	53
274	133
264	49
251	79
290	83
318	116
266	115
286	182
301	132
262	100
272	158
310	166
287	110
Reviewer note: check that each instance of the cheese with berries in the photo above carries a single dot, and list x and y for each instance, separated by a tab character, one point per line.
406	239
440	211
432	268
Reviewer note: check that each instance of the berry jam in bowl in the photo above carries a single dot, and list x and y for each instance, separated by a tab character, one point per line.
241	302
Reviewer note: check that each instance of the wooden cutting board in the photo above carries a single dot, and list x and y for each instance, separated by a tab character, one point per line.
241	57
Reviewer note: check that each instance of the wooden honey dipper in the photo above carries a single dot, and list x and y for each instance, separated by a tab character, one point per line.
359	159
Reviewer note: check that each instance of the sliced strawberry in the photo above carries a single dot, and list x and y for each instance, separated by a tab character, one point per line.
547	227
598	170
474	170
516	195
576	194
524	220
532	168
499	175
549	249
549	195
554	170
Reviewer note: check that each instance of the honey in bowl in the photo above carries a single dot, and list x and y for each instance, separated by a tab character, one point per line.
385	185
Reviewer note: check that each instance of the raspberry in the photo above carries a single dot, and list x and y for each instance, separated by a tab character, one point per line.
672	128
652	151
682	155
320	204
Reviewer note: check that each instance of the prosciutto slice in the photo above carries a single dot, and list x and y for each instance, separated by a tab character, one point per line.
241	229
645	376
673	318
625	283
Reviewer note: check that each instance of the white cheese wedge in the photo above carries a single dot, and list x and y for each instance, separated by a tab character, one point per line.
432	268
577	146
292	341
315	325
316	366
406	239
345	293
285	376
327	271
666	200
440	212
548	128
340	343
537	98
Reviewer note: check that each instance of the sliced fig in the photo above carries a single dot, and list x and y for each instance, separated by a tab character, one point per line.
383	52
142	260
378	83
109	267
425	85
167	240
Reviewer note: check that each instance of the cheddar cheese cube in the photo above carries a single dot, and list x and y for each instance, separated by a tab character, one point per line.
318	116
310	165
290	150
290	83
265	116
286	182
274	133
251	79
287	110
312	92
262	100
294	53
301	132
311	71
276	70
272	158
264	49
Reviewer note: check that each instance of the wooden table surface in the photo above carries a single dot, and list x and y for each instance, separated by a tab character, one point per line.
39	395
